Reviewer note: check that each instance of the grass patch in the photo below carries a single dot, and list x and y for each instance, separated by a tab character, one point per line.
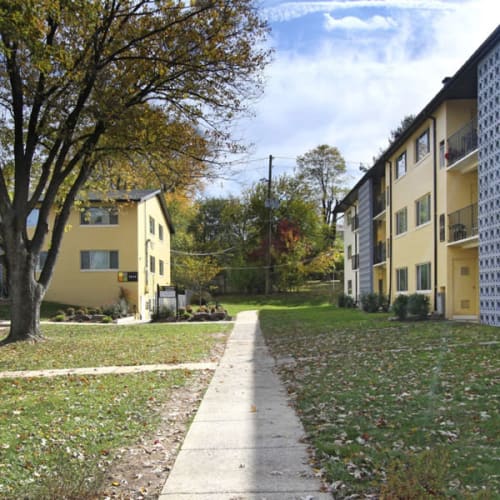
381	400
80	345
61	432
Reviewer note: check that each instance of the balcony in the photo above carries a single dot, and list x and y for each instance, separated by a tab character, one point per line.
379	205
462	148
463	226
355	261
379	253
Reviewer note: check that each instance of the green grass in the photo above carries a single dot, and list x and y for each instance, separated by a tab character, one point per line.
58	435
381	400
80	345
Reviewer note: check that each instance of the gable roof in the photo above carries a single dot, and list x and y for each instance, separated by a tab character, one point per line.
137	196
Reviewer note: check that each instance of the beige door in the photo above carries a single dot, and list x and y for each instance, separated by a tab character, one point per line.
465	291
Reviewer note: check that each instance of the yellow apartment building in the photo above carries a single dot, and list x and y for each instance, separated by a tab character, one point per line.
121	241
428	211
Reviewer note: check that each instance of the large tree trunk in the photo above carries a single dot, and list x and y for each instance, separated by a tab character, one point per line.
26	296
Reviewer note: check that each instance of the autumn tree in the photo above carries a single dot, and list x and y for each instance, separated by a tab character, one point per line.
86	85
323	169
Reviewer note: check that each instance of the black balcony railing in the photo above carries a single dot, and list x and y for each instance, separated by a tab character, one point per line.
379	252
462	224
355	222
461	143
355	261
379	204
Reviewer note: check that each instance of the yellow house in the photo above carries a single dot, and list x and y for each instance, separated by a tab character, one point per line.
112	246
429	210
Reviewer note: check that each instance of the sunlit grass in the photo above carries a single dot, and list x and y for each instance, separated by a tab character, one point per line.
376	395
58	435
79	345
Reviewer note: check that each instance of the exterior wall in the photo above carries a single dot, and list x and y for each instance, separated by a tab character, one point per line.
150	245
365	237
72	285
135	244
351	276
415	246
489	187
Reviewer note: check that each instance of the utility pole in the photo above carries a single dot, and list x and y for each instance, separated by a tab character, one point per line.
269	204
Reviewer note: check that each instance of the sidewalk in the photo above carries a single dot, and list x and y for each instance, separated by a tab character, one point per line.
244	443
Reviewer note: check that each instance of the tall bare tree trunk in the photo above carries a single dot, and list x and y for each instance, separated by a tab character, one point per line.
26	296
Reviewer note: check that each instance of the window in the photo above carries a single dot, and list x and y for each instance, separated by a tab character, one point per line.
402	279
422	146
151	225
98	259
423	209
424	276
42	257
442	156
401	165
152	264
402	221
160	232
442	229
349	251
161	266
96	216
349	287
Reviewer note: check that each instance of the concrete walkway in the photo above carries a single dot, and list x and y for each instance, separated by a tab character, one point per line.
104	370
244	443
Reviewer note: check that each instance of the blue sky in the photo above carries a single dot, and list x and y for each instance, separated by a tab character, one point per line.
345	72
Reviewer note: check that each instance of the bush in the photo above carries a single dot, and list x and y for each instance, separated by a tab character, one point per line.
418	305
383	302
70	311
107	319
370	302
345	300
113	310
400	307
59	317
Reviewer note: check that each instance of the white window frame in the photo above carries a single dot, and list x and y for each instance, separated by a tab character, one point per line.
160	232
402	272
97	257
419	285
418	204
90	216
152	264
161	267
399	213
401	157
422	149
152	224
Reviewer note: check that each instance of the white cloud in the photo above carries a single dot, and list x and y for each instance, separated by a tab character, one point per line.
351	91
287	11
356	23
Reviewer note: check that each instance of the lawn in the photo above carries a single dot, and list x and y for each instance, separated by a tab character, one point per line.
59	435
80	345
409	410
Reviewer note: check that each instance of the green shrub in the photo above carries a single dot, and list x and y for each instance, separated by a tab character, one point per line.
383	302
418	305
70	311
400	307
369	302
344	300
107	319
113	310
59	317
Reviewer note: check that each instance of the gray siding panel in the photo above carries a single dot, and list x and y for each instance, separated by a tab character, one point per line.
366	237
489	187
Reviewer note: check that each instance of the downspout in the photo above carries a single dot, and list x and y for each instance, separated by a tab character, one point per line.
356	271
390	230
434	168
